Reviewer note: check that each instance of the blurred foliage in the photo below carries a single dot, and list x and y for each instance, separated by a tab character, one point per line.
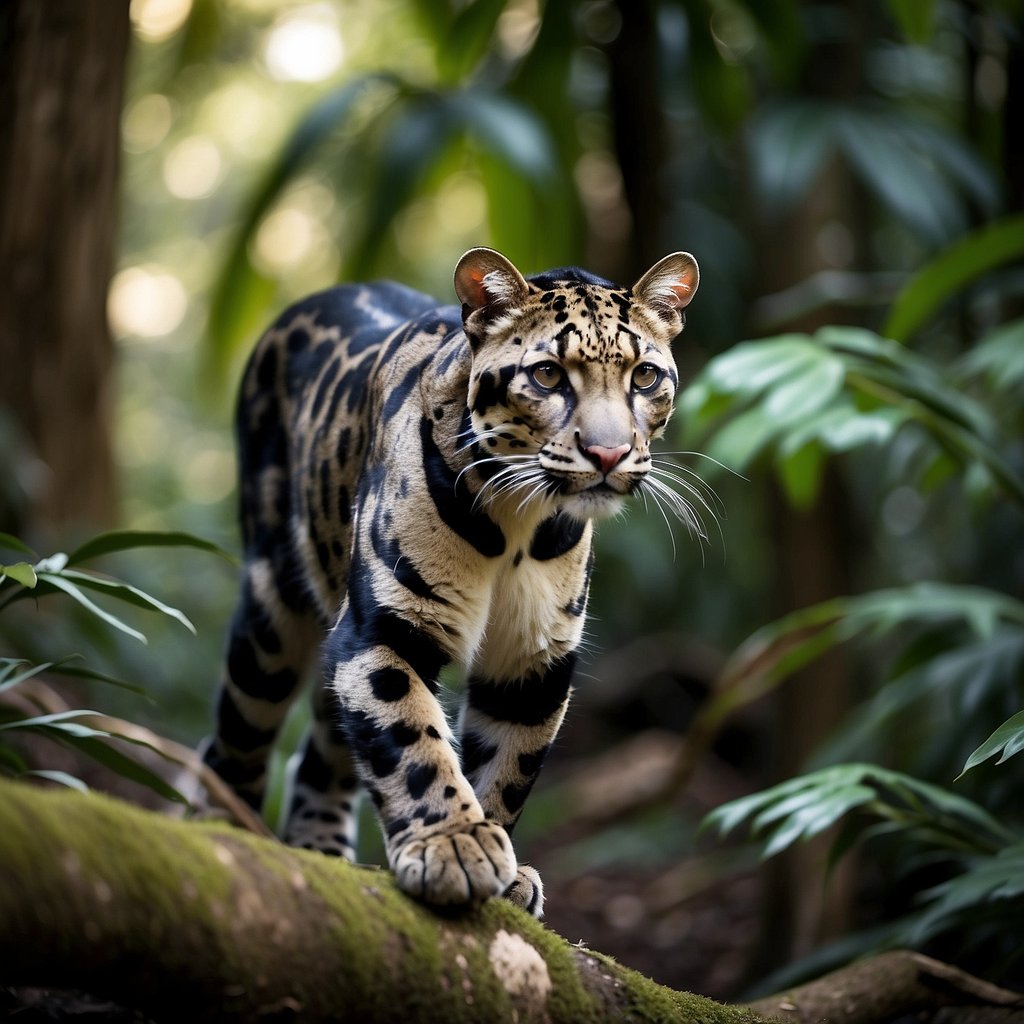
275	146
21	712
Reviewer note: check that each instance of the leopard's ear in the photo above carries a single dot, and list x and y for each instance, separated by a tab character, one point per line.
669	285
483	277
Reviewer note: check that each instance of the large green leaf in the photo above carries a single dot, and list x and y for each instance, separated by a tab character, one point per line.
1007	740
126	540
840	389
773	653
989	247
810	804
988	881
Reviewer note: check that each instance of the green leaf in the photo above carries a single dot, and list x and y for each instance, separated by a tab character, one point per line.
413	140
999	356
801	473
20	572
8	682
804	394
904	179
753	366
511	132
1000	877
125	592
991	246
65	779
64	727
125	540
810	804
789	143
57	581
1007	740
468	38
7	540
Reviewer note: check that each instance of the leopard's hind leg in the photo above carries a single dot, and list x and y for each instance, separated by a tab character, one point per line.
323	789
269	647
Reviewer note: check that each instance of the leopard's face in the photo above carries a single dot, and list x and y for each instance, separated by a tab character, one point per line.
566	395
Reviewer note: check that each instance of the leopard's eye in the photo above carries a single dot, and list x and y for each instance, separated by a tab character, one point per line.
645	376
548	376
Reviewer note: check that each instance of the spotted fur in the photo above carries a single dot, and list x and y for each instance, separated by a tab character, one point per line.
418	485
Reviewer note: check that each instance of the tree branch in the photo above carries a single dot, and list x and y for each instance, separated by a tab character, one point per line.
201	921
886	987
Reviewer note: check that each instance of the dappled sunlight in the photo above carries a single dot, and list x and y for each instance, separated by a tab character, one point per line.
304	45
193	168
146	301
156	20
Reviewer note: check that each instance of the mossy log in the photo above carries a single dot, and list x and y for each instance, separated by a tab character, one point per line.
204	922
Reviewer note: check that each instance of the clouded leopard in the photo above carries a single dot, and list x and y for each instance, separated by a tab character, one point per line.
417	487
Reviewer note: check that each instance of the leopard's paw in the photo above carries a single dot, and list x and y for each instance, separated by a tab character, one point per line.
527	891
456	867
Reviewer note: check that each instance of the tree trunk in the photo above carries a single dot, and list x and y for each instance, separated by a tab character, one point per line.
60	109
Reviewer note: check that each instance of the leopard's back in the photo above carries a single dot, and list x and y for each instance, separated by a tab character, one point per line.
304	423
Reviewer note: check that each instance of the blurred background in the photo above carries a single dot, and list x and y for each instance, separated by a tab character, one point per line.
850	177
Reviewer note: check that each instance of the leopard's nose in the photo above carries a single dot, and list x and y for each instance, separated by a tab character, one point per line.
606	459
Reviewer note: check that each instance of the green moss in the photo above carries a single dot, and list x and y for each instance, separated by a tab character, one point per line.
236	924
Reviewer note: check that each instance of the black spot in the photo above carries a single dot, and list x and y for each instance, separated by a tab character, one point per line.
403	734
529	702
530	764
330	375
396	826
449	792
418	779
513	797
438	412
373	744
518	558
476	752
556	536
433	733
434	817
389	684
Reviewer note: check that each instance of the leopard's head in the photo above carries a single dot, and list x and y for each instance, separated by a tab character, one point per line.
572	379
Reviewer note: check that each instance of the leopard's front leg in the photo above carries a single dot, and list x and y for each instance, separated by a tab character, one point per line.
507	729
440	844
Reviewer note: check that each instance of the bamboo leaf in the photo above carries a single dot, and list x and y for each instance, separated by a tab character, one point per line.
63	778
9	682
8	540
126	540
127	593
57	581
